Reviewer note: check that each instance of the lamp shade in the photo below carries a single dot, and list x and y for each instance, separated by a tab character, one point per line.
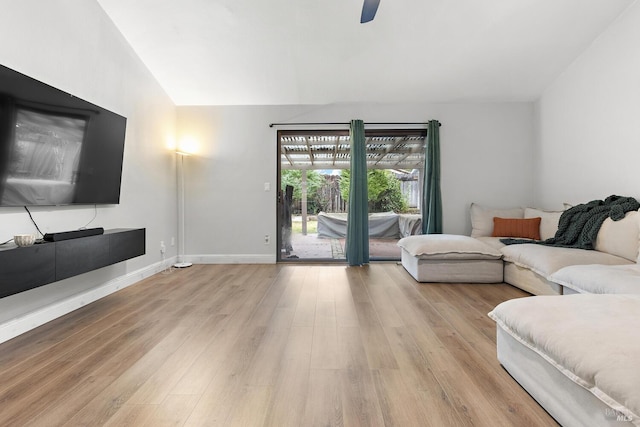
187	146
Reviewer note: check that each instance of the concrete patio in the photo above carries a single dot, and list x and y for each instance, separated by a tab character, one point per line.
312	247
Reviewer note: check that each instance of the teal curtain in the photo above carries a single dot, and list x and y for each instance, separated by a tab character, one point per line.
431	203
357	248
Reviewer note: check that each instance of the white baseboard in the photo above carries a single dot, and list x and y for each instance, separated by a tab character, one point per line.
231	259
18	326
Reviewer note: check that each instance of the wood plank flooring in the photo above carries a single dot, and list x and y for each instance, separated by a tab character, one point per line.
270	345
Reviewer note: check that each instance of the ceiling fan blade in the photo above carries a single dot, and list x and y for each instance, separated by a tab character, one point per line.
369	10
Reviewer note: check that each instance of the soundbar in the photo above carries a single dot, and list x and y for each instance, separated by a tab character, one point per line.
66	235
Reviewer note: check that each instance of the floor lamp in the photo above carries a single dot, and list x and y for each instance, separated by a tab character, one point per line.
180	171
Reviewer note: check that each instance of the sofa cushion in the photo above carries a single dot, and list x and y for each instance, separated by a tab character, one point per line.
620	238
600	279
544	260
588	338
524	228
482	218
549	221
494	242
447	246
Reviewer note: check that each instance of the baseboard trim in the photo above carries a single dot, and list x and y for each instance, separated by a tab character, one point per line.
231	259
29	321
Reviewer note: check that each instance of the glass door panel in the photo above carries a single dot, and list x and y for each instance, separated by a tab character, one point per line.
314	189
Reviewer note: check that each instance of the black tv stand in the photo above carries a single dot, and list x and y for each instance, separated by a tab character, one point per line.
25	268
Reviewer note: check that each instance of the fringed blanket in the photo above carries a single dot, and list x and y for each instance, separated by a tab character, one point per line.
578	226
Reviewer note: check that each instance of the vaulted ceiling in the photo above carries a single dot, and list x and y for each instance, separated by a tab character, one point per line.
252	52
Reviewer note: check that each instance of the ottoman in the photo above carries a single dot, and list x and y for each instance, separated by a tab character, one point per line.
450	258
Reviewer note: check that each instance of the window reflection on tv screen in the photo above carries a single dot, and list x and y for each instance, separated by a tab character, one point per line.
44	159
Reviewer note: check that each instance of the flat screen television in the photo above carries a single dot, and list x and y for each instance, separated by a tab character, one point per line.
55	148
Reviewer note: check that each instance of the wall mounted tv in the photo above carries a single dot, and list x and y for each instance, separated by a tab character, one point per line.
56	149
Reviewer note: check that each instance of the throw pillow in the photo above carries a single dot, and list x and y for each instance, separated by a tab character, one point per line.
549	222
620	238
526	228
482	218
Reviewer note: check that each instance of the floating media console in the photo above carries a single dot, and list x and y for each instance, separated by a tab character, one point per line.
29	267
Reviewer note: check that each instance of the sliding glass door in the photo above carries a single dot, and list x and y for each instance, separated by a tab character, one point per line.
314	189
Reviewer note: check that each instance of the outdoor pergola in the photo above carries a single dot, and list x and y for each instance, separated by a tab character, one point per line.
398	150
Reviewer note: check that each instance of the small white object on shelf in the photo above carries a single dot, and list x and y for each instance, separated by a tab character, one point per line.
24	239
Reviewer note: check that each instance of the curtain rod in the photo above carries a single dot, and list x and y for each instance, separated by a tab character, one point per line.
348	123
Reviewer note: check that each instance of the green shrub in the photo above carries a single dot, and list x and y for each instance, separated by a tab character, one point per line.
383	191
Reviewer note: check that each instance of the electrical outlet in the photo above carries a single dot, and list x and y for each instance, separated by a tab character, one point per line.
173	241
267	186
163	248
267	239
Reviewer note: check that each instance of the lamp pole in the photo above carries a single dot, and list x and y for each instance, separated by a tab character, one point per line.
181	247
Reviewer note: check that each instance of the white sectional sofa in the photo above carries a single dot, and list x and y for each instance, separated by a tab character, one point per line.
575	352
577	355
549	270
537	269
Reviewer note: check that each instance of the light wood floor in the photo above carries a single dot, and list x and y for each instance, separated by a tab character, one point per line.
277	345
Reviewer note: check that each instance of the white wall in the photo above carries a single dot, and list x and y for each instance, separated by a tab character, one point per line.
588	142
73	45
486	154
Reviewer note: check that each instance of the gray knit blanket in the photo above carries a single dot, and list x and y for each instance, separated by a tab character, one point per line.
578	226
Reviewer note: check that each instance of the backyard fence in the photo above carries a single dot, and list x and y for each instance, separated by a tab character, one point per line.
329	199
